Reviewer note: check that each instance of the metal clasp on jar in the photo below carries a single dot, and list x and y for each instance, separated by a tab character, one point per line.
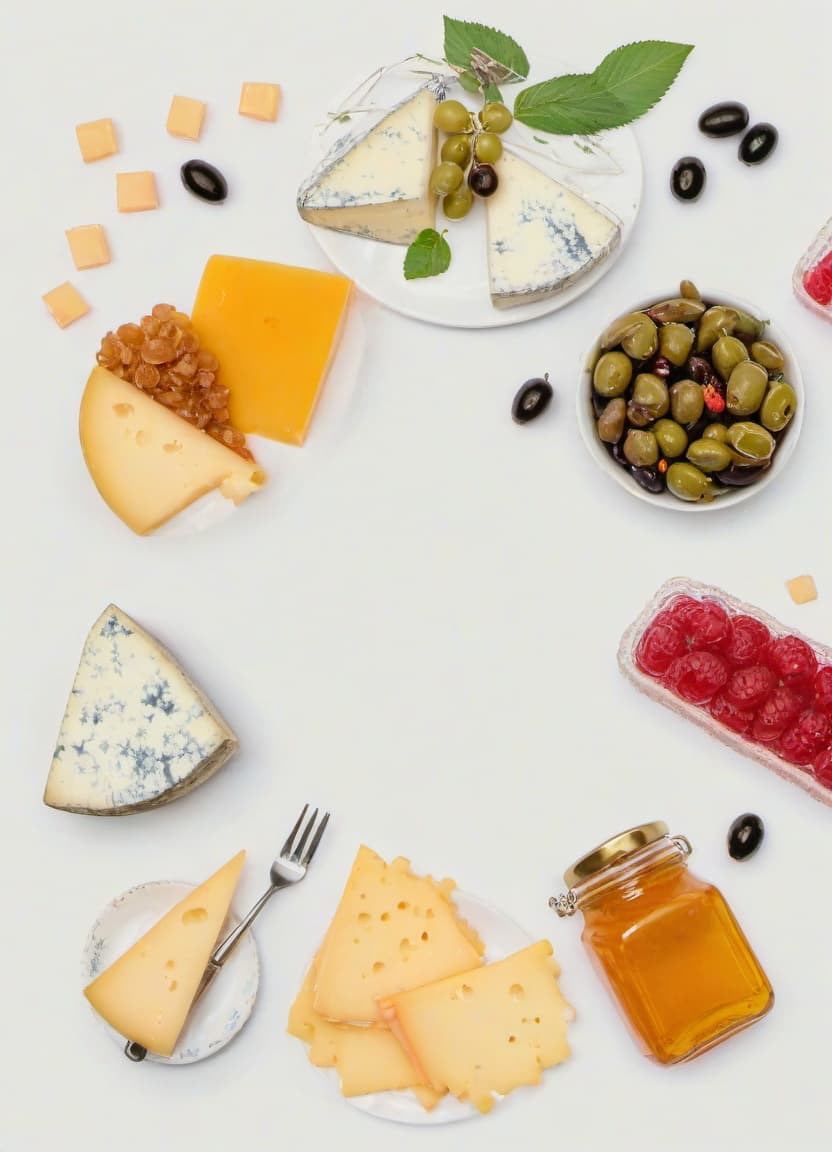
566	904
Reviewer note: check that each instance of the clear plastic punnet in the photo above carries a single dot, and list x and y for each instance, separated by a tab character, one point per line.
812	278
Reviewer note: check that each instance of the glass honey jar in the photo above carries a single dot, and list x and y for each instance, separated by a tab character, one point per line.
666	943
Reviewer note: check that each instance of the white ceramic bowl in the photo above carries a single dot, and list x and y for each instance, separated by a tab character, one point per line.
586	419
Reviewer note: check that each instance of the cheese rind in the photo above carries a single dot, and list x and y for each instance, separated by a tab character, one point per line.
542	235
147	462
147	993
392	931
376	184
136	733
487	1031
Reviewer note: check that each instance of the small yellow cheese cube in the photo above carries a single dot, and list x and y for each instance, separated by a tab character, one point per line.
136	191
802	589
96	139
185	117
260	101
88	245
66	304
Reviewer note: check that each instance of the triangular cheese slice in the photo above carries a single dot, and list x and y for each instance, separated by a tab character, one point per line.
136	732
375	184
486	1031
147	993
392	930
147	462
542	236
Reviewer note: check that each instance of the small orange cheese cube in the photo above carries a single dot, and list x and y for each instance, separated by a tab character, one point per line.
96	139
260	101
88	246
185	117
136	191
802	589
66	304
274	330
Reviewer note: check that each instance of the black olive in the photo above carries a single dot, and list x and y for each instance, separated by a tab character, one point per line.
725	119
649	478
687	180
734	477
532	399
617	453
204	180
599	403
745	836
482	179
758	143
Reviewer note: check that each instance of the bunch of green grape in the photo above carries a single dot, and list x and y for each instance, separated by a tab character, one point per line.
468	147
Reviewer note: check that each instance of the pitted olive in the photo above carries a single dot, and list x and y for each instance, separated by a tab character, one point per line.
752	443
611	421
769	355
687	482
641	448
612	374
710	455
746	388
679	310
717	321
650	393
686	402
689	291
635	332
716	432
726	354
675	343
778	407
672	438
748	326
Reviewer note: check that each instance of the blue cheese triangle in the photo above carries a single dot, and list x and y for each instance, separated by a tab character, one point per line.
542	235
136	732
375	184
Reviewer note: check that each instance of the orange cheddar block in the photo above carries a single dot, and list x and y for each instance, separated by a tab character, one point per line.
66	304
275	330
88	245
185	117
96	139
136	191
259	101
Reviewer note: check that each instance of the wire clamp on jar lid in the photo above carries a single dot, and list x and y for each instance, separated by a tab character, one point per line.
565	905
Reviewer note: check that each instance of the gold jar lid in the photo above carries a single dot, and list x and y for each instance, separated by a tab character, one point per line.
613	850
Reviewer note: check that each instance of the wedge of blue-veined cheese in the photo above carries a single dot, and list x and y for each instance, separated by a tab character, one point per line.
375	184
542	235
137	733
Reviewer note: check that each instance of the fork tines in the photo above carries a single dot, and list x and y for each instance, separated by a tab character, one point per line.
294	846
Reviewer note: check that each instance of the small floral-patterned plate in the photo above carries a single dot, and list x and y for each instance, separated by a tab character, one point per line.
225	1007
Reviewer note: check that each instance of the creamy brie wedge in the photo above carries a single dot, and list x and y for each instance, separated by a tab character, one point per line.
542	235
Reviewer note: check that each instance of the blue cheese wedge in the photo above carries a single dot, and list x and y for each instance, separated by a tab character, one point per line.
542	236
375	184
137	733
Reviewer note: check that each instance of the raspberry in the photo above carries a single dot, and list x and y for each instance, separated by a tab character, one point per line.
747	640
801	743
727	713
822	768
703	623
818	281
658	648
697	676
775	715
749	687
792	661
679	610
823	690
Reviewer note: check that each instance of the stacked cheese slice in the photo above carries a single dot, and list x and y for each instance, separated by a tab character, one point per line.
399	997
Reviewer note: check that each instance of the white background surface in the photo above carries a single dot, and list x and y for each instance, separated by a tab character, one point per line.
416	625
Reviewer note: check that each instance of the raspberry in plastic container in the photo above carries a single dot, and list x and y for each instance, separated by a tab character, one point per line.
812	278
744	677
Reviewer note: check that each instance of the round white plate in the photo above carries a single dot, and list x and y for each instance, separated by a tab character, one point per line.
459	298
220	1013
502	937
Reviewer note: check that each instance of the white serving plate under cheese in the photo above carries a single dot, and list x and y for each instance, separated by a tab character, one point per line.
227	1003
459	298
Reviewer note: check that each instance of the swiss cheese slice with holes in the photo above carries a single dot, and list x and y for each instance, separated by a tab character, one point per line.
147	993
367	1058
487	1031
392	931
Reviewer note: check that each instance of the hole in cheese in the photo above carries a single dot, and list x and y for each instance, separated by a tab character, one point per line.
385	916
402	905
404	944
467	991
425	937
171	964
364	917
173	446
378	966
123	410
429	914
512	1039
537	1019
516	992
172	986
194	916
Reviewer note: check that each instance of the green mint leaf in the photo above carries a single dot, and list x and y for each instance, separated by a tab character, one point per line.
568	106
493	94
428	255
469	82
639	74
462	36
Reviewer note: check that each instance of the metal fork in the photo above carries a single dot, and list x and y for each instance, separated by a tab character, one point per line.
289	868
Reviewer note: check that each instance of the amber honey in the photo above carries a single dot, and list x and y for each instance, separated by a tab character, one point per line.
666	943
